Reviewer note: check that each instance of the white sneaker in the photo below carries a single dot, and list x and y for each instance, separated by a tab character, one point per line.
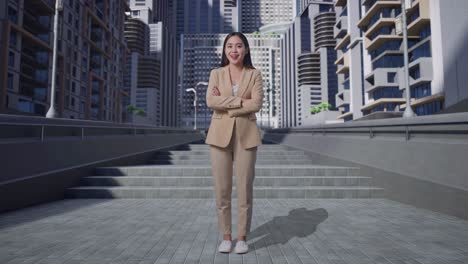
225	246
241	247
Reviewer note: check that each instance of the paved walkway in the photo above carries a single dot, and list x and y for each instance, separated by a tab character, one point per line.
184	231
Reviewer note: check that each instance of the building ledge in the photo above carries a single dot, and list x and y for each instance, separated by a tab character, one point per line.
415	27
343	116
384	21
425	100
381	39
343	69
343	42
383	101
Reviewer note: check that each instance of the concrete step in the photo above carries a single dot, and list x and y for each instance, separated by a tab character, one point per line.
205	170
106	192
207	152
260	161
207	156
262	147
204	181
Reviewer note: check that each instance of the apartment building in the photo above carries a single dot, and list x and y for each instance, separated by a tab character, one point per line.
90	61
309	72
350	55
436	31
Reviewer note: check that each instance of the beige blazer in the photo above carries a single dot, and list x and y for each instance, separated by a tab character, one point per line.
228	109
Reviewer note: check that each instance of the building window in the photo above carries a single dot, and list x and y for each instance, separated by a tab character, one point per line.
10	81
420	91
83	91
429	109
415	72
12	15
82	106
25	106
386	92
391	77
422	51
388	61
13	38
11	59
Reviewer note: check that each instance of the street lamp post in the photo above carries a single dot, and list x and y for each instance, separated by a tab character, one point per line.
408	110
52	113
194	90
205	108
194	105
268	105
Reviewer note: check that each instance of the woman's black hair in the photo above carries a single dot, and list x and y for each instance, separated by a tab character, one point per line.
247	59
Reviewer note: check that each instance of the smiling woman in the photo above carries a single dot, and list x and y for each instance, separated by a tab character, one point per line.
235	94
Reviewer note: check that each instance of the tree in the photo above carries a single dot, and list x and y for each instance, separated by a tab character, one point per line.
324	106
319	108
136	110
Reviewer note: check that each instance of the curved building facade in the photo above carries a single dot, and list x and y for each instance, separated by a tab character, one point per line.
136	35
323	29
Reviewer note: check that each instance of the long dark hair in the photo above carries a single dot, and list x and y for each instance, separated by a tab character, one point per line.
247	59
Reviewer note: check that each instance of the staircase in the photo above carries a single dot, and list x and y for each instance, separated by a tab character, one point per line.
185	172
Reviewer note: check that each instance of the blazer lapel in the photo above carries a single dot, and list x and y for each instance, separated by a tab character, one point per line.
227	82
245	81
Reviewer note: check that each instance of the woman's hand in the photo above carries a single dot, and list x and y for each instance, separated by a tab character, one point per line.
215	91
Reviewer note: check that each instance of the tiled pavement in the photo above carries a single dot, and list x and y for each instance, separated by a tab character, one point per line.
147	231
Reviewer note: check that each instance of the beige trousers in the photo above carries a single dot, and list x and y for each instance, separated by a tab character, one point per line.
244	170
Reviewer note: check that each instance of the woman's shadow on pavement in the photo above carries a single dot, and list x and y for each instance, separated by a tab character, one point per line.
299	222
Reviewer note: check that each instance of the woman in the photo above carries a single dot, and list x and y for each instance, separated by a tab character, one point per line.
235	94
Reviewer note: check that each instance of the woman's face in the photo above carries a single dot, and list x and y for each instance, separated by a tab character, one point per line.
235	51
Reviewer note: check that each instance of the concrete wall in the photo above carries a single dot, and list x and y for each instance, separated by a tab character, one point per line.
34	171
429	170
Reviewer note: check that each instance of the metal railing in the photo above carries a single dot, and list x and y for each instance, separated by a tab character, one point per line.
395	128
10	131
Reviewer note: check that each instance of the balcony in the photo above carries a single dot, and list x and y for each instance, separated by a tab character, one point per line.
381	78
380	40
383	104
341	28
343	43
382	22
421	71
343	98
343	64
376	8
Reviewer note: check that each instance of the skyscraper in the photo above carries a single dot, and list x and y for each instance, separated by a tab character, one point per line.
206	16
255	14
142	75
308	71
160	17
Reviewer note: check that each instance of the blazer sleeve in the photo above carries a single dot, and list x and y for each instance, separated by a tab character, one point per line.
255	103
222	103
